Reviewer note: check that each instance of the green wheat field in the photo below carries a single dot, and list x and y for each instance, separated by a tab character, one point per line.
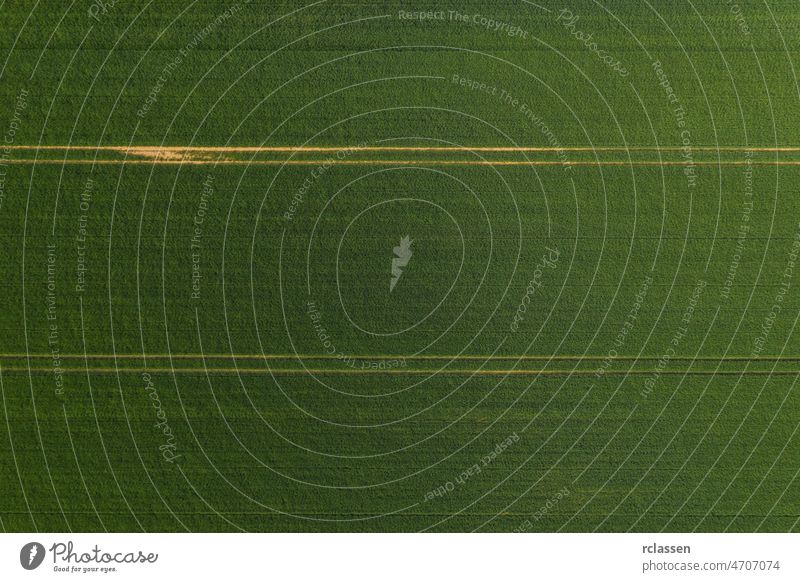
352	266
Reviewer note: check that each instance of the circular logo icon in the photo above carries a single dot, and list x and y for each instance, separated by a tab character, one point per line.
31	555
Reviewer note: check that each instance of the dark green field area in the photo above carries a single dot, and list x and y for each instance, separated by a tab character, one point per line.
513	266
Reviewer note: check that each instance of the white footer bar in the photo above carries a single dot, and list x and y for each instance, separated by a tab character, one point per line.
400	557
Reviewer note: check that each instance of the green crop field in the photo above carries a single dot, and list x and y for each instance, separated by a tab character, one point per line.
399	266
